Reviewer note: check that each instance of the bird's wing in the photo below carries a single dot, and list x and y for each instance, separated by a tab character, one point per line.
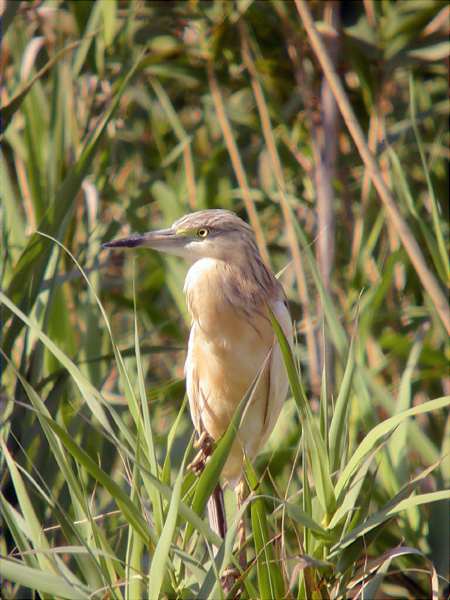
192	384
278	381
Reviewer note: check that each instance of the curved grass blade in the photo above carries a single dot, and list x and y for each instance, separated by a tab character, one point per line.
381	567
399	503
146	427
160	557
42	581
141	526
316	448
380	431
187	513
37	535
437	223
130	510
7	111
338	425
270	577
18	529
33	261
88	391
90	567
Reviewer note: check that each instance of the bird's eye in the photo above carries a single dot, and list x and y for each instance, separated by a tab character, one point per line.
203	232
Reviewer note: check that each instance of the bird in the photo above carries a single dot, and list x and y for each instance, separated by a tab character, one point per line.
230	292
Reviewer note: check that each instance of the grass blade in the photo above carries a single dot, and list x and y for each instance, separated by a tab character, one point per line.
397	504
33	262
159	561
42	581
7	111
131	512
443	251
315	444
380	431
339	423
270	578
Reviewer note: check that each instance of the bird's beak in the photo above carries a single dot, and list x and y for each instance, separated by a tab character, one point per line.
163	240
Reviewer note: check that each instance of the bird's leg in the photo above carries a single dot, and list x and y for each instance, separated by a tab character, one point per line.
203	438
231	575
216	506
205	445
240	494
228	582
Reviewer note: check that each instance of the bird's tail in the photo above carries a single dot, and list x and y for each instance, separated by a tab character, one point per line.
216	512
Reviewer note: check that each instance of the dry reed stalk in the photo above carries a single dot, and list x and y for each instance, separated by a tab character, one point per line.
237	162
412	248
324	145
311	341
190	175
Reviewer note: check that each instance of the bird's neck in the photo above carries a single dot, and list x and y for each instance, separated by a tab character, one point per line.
216	287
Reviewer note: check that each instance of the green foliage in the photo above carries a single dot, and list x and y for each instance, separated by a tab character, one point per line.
111	122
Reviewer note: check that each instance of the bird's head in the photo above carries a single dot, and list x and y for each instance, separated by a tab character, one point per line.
213	233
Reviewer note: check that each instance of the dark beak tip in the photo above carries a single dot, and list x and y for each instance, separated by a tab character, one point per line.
131	242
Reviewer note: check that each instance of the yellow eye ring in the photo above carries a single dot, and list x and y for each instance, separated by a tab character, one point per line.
203	232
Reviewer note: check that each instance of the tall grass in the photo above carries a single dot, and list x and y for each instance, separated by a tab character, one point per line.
122	116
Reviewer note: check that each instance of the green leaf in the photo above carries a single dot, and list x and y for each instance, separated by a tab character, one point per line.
7	111
339	422
436	217
270	578
129	509
42	581
89	35
34	259
352	497
88	391
396	505
379	432
160	557
381	567
315	444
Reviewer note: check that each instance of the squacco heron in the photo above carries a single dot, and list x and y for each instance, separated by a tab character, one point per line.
228	291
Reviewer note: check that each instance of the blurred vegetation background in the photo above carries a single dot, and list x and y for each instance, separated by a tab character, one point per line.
123	116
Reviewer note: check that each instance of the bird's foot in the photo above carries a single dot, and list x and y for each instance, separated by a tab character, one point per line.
205	443
203	440
228	581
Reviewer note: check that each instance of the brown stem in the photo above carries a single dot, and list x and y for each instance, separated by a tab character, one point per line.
412	248
324	144
311	341
236	162
216	513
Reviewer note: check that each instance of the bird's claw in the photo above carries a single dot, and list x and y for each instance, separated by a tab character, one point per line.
228	581
203	440
205	444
